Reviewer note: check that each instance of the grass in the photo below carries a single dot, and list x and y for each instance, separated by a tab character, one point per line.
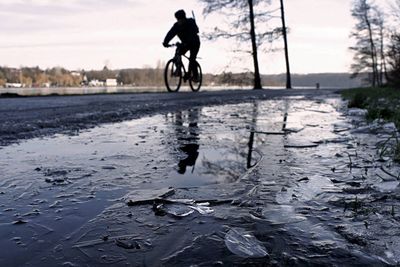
381	103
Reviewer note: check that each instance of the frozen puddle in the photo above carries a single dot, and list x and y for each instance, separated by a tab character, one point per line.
51	187
288	174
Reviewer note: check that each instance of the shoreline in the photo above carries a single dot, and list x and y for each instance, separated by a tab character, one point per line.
66	91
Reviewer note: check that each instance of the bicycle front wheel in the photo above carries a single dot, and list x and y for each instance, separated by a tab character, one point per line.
172	76
195	84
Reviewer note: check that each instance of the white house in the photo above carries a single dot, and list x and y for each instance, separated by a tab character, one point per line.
111	82
96	83
76	73
14	85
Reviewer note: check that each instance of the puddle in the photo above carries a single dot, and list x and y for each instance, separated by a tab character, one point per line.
292	174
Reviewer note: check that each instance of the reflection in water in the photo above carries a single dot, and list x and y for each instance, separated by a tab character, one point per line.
296	205
192	151
285	116
197	164
284	121
203	164
254	130
249	155
187	137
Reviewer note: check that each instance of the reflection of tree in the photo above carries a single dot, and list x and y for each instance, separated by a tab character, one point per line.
231	169
249	155
254	131
227	170
226	161
253	128
285	115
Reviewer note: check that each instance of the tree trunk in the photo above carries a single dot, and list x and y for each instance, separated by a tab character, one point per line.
383	72
288	78
373	52
257	78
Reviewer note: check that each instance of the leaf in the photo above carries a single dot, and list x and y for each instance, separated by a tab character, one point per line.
244	244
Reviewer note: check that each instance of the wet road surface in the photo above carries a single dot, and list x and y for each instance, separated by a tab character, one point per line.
28	117
290	181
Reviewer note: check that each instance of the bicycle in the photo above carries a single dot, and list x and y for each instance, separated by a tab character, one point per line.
175	71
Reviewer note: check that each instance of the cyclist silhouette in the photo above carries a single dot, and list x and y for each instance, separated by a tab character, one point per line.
187	31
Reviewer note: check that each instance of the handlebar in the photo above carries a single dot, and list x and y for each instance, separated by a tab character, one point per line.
173	45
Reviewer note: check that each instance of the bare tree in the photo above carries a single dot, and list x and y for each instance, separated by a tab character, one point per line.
393	56
288	78
369	35
395	6
379	23
393	51
243	18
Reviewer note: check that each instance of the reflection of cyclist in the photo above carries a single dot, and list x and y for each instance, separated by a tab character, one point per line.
188	137
192	152
187	31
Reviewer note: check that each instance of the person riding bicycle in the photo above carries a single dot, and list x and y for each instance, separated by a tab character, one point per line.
187	31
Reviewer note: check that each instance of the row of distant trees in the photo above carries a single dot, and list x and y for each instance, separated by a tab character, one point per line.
377	42
54	77
61	77
29	77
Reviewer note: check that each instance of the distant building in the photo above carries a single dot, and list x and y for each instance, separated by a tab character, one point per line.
14	85
96	83
76	73
100	83
111	82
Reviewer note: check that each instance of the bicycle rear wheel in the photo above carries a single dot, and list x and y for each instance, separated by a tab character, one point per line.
196	84
172	76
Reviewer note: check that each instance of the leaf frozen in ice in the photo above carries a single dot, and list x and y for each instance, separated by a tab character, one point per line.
202	208
244	244
178	210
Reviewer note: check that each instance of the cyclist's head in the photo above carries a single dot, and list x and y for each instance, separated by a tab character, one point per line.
180	14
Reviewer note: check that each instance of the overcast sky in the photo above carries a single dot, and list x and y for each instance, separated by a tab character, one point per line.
87	34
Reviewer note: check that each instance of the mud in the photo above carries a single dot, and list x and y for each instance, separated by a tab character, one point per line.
290	181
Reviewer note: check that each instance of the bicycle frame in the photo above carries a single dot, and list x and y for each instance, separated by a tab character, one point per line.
182	73
178	60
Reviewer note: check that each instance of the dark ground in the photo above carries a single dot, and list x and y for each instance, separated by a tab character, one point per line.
315	194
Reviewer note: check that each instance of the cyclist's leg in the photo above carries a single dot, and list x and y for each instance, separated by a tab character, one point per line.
194	50
181	50
177	61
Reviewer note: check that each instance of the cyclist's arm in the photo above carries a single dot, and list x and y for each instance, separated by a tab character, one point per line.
170	35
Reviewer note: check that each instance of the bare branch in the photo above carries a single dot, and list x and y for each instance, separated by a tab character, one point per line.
243	16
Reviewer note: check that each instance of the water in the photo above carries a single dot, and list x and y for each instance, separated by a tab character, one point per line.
98	90
115	90
278	169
